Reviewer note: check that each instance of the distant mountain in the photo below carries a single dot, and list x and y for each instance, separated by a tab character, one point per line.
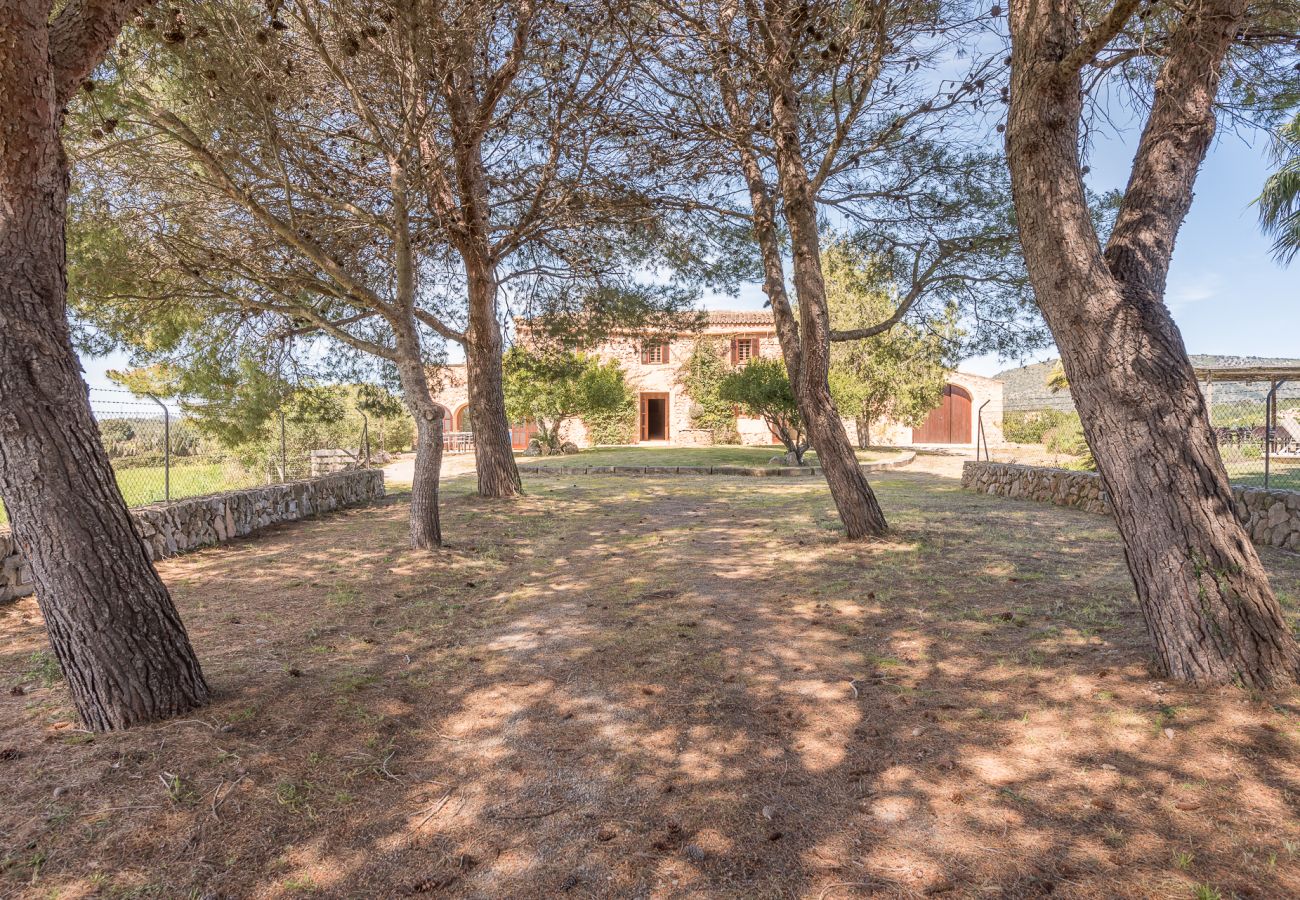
1026	388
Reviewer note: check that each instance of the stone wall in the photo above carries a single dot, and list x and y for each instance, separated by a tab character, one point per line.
168	529
1271	517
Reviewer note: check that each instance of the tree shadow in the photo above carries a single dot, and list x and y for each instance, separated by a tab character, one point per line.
620	687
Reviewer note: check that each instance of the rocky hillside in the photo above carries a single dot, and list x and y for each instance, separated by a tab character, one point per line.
1025	388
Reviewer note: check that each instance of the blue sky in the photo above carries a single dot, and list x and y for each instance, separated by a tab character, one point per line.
1226	292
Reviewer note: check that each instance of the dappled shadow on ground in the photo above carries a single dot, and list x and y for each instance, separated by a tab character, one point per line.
640	687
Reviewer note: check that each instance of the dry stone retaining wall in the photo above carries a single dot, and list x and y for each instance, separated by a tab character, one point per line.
168	529
1271	517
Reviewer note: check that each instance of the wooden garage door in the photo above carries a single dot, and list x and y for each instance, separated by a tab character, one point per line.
949	422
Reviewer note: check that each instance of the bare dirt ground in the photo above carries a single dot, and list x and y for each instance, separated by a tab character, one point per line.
661	688
401	471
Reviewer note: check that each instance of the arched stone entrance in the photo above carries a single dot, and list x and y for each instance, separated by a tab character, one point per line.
949	422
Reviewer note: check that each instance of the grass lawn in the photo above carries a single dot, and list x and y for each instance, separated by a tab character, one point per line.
682	456
659	688
1284	474
146	484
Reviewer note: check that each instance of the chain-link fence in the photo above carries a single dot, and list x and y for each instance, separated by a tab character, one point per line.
158	454
1257	424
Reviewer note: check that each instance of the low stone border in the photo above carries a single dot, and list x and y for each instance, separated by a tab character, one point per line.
1272	518
750	471
169	529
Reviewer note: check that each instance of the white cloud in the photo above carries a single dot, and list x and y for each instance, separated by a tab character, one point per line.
1185	292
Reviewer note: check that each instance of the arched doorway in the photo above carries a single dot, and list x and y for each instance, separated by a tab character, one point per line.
463	420
949	422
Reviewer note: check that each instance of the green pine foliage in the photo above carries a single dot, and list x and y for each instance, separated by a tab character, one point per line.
898	375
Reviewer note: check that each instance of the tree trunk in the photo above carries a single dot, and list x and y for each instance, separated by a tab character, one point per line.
853	496
426	527
498	476
807	365
1209	610
862	425
111	622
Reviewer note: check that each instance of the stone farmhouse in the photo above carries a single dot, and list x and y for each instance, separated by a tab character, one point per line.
664	406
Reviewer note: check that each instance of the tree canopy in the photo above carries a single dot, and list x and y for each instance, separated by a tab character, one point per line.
552	388
761	387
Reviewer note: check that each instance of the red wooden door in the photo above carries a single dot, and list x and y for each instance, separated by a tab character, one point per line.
521	433
949	422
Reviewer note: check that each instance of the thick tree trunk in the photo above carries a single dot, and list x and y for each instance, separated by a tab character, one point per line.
853	496
426	527
111	622
1205	596
498	476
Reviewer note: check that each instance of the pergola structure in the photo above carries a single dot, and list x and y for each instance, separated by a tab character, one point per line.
1275	377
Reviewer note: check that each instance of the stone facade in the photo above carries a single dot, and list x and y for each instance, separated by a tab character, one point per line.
984	392
168	529
451	392
1272	518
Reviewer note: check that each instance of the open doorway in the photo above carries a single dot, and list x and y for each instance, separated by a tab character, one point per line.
654	417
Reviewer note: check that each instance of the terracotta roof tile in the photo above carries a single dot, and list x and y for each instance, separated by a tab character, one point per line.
740	317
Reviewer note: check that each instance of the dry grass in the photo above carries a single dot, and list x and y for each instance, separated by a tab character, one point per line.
661	688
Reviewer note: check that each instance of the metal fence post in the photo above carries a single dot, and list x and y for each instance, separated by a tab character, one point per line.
167	447
284	458
1270	410
979	434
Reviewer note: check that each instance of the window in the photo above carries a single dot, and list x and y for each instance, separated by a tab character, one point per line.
743	349
654	353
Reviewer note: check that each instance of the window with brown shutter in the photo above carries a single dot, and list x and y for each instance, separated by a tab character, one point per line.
654	353
743	349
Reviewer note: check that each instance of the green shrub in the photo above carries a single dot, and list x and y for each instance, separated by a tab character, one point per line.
616	427
1030	426
1067	438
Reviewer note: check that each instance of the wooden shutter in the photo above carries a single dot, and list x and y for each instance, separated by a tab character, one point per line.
736	346
654	353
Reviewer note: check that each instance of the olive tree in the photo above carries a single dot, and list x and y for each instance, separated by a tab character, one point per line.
897	375
761	387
